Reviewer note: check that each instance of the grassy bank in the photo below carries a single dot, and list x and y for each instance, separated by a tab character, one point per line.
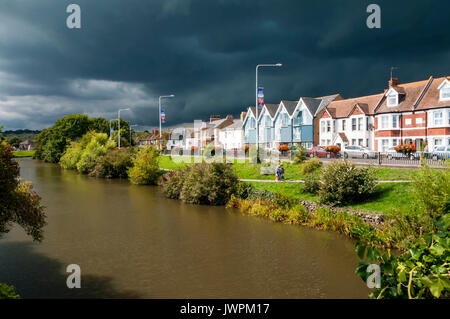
292	171
23	153
389	198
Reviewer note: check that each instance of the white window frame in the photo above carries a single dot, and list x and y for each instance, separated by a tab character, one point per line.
360	124
384	122
408	121
392	100
396	119
445	93
438	120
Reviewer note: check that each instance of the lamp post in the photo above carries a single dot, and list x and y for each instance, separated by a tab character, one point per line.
160	132
130	131
118	119
256	102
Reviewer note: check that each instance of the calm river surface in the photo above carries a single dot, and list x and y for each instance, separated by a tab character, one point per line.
131	242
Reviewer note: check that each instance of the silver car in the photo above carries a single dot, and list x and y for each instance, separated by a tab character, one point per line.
391	153
356	151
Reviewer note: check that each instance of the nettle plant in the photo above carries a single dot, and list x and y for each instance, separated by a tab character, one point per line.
422	273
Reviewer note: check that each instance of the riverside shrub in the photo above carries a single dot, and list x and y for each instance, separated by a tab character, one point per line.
114	164
311	165
210	184
84	155
432	191
343	183
145	170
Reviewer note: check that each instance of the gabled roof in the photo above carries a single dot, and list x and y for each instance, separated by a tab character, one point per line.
431	98
237	125
311	104
343	108
411	96
290	106
325	100
272	109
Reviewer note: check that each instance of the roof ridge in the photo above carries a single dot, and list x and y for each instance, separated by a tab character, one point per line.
422	94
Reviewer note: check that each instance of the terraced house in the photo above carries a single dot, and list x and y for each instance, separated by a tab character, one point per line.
417	112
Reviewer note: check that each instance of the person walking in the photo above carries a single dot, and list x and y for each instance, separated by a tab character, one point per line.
280	172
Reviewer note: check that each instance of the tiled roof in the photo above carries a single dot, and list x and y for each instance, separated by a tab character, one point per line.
272	109
342	108
290	106
237	124
312	104
408	100
343	137
431	98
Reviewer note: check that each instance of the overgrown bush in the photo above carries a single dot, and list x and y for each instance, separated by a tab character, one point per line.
145	170
114	164
312	184
244	190
84	155
203	183
173	183
432	190
311	165
343	183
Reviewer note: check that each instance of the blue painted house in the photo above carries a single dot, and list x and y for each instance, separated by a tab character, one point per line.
266	125
249	125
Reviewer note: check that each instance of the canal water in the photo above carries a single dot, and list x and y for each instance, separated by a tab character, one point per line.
132	242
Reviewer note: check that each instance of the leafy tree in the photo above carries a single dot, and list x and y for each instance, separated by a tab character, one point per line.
145	170
52	142
14	141
18	205
85	155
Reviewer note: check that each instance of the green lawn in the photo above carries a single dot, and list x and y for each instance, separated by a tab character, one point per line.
23	153
292	171
389	197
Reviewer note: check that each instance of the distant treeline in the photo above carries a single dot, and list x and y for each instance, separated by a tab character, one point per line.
20	132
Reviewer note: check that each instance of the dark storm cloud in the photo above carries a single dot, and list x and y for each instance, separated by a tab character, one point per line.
127	53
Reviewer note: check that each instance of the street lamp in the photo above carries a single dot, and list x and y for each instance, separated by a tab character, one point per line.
130	131
118	137
160	132
256	102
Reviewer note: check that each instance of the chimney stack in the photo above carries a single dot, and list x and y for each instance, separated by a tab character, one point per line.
243	114
213	118
394	82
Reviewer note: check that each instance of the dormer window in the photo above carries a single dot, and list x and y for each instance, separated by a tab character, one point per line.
445	93
444	89
392	99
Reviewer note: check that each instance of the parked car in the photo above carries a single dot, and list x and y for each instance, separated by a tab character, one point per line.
356	151
319	151
391	153
441	152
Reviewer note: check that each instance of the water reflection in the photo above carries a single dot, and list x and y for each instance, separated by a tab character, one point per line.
130	241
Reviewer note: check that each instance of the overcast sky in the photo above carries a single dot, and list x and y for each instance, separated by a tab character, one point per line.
128	52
